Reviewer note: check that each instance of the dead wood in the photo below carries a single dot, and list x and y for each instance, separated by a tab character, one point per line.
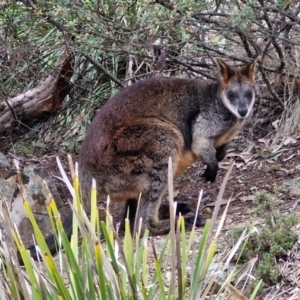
45	98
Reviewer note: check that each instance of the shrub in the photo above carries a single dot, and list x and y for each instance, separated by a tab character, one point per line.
270	242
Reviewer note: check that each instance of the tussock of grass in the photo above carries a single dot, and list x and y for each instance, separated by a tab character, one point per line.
102	265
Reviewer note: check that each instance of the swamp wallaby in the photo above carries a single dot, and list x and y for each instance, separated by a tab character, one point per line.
130	140
127	146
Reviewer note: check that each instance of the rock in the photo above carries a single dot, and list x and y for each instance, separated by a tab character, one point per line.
292	187
33	179
294	192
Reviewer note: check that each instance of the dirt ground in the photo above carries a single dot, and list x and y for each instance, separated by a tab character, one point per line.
255	168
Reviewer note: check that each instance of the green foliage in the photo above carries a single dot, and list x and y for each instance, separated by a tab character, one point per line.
267	269
23	147
272	241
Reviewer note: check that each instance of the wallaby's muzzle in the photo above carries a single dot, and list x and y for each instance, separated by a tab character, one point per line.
243	111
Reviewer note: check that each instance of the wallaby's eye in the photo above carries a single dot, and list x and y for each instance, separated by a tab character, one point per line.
248	94
230	95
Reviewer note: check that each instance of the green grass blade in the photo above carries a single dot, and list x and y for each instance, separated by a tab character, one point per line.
196	272
257	287
162	293
101	277
62	289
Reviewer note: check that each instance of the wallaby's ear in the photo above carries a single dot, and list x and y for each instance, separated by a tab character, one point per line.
225	70
248	71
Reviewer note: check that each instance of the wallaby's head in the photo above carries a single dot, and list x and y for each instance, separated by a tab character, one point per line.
237	88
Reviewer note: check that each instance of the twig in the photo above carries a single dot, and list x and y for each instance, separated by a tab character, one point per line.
105	71
266	80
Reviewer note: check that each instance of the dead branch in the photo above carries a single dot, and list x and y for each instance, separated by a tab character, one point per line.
45	98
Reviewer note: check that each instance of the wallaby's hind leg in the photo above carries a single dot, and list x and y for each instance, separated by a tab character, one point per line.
130	213
150	203
159	227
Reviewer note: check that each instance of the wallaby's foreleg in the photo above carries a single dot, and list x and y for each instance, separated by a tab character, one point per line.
204	131
205	150
212	168
221	152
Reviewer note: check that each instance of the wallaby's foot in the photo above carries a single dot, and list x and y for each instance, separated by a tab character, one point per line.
181	208
189	221
50	241
159	227
184	209
163	226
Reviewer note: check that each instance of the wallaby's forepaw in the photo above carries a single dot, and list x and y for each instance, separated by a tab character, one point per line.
189	221
209	175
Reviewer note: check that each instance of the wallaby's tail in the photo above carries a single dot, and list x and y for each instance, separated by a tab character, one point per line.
50	240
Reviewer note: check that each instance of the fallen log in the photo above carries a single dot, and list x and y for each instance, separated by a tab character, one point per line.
45	98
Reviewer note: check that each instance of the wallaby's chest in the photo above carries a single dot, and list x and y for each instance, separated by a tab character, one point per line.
228	135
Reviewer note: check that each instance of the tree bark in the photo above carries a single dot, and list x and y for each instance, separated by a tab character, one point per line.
45	98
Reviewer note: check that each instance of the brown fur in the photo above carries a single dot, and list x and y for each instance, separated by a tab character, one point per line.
228	73
183	161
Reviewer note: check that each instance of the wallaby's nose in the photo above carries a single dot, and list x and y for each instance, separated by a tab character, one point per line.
242	111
